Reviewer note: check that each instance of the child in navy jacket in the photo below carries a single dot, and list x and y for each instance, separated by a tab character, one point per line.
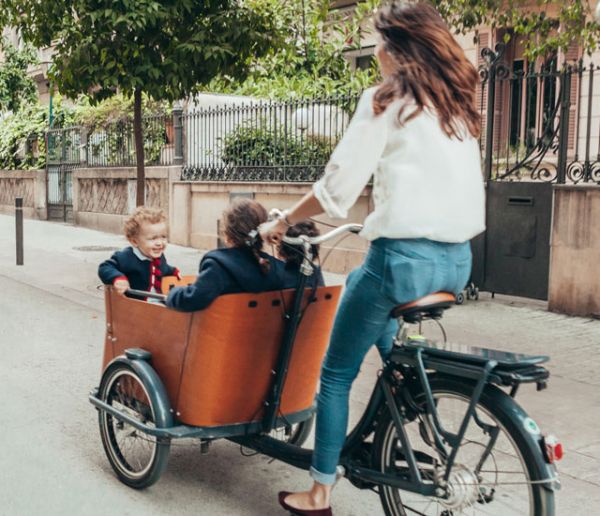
242	266
143	265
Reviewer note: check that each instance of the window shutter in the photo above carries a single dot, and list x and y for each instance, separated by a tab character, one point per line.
482	93
571	56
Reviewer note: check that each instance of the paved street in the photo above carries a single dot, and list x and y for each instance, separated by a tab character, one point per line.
51	334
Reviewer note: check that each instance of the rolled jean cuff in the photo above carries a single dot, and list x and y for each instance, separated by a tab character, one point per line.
327	479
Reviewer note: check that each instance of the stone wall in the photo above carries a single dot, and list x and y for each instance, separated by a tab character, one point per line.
575	251
196	209
28	184
103	197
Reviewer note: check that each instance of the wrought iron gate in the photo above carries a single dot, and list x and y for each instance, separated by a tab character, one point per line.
537	133
60	193
63	156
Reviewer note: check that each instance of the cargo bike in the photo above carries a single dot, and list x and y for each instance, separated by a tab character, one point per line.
441	434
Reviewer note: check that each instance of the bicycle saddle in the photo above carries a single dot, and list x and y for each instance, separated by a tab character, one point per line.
431	306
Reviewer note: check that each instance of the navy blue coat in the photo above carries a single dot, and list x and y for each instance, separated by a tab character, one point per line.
126	263
234	270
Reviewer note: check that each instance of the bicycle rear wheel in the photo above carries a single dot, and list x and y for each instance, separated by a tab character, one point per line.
498	483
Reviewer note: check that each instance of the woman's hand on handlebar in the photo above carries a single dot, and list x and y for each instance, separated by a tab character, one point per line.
273	230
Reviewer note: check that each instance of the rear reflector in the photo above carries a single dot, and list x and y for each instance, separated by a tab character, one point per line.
553	449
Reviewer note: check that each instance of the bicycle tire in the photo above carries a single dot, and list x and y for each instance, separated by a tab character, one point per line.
159	449
493	401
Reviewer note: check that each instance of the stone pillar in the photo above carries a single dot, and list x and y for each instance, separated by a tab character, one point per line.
40	195
575	251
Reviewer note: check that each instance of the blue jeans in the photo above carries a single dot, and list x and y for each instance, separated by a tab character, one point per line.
394	272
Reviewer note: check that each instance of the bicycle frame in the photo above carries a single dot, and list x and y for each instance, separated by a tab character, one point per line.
403	388
410	357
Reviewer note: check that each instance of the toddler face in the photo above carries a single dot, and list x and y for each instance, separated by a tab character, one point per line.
151	240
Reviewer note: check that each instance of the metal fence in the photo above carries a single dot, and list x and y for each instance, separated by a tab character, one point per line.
540	124
113	145
264	141
63	155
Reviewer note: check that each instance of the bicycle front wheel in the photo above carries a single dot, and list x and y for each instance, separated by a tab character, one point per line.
498	482
137	458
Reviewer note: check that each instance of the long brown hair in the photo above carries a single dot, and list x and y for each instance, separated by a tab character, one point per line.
241	218
430	67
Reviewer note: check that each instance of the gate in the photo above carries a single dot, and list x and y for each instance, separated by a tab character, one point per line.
60	192
517	250
537	133
62	157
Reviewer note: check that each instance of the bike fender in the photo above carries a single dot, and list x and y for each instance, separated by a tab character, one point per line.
532	433
156	390
546	474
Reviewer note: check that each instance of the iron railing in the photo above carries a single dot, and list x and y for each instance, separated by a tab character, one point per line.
287	141
64	146
113	145
539	124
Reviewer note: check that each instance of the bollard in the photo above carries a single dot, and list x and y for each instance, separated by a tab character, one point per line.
19	227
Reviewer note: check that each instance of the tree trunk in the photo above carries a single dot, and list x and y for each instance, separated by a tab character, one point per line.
139	147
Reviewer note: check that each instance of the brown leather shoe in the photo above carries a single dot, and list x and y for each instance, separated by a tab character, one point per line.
302	512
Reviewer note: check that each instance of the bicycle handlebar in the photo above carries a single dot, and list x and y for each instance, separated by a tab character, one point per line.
143	293
300	240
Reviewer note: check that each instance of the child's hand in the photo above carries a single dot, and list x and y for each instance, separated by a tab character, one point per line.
121	286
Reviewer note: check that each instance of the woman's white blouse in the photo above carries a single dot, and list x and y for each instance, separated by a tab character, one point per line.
425	184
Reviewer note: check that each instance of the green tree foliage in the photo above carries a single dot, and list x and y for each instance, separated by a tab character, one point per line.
165	49
309	60
16	87
573	22
116	109
22	142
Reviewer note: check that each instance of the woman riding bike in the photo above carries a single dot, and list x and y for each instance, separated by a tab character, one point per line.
416	134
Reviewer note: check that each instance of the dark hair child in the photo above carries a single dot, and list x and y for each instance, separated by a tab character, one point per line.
240	267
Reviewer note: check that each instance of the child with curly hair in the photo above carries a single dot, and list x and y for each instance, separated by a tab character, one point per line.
142	265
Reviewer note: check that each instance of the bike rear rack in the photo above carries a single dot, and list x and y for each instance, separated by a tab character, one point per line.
510	369
481	365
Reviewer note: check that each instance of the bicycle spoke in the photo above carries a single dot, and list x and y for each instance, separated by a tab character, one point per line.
508	494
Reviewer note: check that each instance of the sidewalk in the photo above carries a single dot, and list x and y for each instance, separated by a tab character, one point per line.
63	259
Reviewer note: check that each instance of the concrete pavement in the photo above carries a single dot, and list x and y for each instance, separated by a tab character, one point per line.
51	316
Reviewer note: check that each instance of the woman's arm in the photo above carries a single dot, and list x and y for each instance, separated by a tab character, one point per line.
307	207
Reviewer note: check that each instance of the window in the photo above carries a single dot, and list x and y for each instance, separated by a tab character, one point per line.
364	62
361	59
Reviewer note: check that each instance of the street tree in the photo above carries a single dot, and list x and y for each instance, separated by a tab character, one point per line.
309	58
16	87
164	49
571	22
